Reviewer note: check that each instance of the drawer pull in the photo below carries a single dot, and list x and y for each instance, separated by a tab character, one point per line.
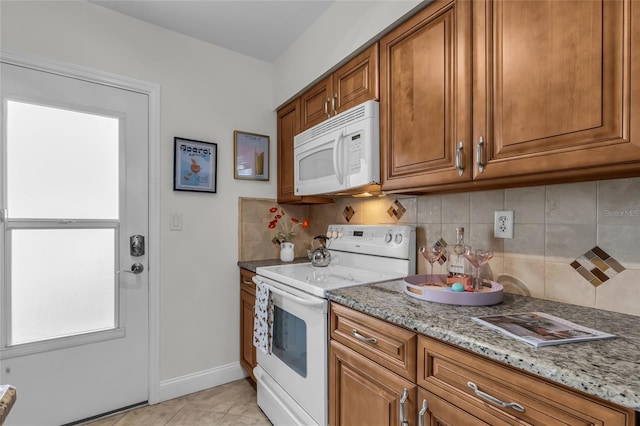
359	336
495	400
422	412
247	282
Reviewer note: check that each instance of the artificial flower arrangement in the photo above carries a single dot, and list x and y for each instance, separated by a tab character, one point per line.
287	228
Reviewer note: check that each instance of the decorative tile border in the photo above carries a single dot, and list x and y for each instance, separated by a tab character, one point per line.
596	266
348	213
396	210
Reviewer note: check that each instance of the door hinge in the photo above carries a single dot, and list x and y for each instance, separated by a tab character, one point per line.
3	215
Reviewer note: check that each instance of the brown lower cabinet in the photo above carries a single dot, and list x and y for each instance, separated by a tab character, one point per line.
366	393
247	303
369	383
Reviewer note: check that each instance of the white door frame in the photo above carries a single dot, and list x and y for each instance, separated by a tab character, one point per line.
152	90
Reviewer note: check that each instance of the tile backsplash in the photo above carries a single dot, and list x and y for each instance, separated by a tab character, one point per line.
256	238
554	226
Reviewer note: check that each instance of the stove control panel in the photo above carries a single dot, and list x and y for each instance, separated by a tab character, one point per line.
381	240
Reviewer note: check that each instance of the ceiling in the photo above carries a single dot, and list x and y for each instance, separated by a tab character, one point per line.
262	29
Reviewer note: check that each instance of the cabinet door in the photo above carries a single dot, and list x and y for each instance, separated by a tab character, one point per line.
288	127
552	87
247	303
356	81
362	392
425	106
315	104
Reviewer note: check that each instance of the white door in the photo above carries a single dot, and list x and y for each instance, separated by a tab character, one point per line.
74	176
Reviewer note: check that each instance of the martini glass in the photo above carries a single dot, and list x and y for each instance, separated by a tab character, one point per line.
477	257
432	254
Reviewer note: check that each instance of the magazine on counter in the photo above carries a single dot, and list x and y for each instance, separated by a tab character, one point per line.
540	329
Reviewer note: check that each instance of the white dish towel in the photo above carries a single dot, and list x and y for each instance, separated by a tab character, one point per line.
263	318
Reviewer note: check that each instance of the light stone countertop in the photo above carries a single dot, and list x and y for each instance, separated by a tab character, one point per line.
608	369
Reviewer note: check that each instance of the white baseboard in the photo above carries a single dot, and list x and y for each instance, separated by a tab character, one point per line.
195	382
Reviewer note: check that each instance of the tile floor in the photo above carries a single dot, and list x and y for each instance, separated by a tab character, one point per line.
230	404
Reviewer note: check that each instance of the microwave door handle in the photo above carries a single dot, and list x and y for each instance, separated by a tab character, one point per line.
337	158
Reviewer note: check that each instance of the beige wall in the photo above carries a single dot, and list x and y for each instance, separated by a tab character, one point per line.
554	225
200	87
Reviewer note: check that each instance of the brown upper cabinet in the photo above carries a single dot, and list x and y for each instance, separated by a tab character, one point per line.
425	98
353	83
288	127
555	89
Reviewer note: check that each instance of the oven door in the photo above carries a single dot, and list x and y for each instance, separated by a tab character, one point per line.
298	362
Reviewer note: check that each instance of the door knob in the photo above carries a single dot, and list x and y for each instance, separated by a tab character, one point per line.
136	268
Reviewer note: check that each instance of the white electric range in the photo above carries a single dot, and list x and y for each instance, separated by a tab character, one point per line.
293	378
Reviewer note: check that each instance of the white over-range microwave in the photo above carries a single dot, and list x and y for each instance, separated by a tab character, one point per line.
341	155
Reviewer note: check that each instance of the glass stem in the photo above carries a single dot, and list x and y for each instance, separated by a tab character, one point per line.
476	283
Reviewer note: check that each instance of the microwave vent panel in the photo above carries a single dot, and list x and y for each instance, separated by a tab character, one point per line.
340	120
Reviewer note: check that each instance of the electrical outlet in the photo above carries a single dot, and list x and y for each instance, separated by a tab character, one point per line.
503	224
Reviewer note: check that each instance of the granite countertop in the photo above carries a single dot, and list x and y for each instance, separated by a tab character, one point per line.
608	369
251	265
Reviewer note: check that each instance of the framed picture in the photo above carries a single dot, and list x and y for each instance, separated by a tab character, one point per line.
251	153
195	165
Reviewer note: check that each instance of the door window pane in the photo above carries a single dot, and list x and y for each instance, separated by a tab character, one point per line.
61	163
62	283
290	340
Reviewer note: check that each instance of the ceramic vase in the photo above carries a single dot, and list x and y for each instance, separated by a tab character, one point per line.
286	252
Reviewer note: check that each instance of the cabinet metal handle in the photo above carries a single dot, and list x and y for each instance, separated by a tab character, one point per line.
359	336
247	282
495	400
333	103
479	155
422	412
326	108
459	159
403	401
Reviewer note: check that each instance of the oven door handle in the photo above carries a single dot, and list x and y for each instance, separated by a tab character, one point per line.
300	300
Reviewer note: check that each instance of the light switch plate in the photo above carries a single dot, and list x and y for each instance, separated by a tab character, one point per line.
176	222
503	224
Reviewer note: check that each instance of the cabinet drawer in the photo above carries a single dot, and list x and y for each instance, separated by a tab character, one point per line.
388	345
246	282
539	402
442	411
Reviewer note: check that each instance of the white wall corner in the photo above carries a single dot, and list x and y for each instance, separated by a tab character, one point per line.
201	380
